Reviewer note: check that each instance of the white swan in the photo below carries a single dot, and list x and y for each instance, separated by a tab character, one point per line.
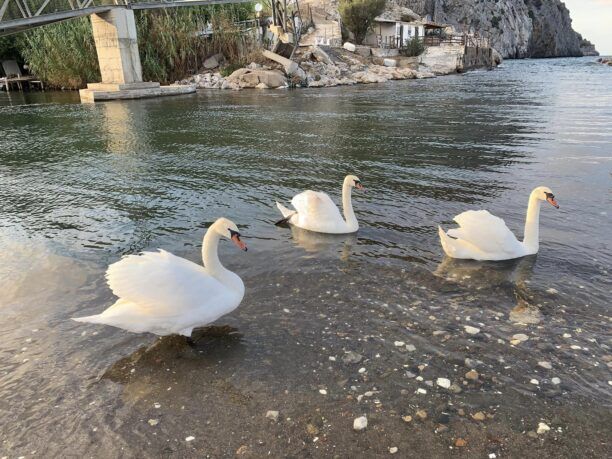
164	294
482	236
315	211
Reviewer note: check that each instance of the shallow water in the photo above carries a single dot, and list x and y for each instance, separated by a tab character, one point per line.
83	185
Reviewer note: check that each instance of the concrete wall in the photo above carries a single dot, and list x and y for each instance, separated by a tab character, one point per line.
475	58
117	46
392	29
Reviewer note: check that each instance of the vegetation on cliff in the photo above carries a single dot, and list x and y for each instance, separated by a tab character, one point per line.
358	16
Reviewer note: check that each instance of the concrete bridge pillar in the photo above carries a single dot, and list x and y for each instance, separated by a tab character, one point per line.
117	46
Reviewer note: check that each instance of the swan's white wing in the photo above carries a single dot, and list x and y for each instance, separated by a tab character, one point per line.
163	284
487	232
317	207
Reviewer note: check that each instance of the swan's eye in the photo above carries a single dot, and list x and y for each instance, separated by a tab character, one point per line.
357	182
549	195
234	233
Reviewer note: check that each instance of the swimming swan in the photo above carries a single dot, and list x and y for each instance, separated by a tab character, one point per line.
482	236
164	294
315	211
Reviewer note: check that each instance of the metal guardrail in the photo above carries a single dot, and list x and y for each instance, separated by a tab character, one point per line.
20	15
470	41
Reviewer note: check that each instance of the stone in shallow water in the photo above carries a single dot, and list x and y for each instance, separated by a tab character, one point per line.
410	348
443	382
472	375
399	343
393	449
480	416
546	365
471	330
272	415
352	357
520	337
556	381
542	428
360	423
153	422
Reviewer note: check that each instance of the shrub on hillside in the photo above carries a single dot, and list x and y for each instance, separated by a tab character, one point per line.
358	16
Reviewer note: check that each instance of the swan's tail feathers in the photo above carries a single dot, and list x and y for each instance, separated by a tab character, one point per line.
287	214
445	240
96	319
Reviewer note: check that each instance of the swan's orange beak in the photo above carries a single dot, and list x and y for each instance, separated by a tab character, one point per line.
236	240
551	200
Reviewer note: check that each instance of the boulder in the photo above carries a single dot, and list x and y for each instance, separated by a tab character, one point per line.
272	78
349	47
364	51
213	61
321	56
389	62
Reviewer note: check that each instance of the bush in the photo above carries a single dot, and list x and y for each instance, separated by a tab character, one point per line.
358	16
413	47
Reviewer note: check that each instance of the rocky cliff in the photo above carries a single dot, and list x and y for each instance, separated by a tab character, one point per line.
517	28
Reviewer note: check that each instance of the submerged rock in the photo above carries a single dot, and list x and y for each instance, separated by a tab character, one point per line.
360	423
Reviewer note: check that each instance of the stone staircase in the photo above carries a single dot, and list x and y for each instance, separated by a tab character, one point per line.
325	16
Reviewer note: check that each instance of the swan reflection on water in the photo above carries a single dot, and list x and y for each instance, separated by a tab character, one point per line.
321	243
510	274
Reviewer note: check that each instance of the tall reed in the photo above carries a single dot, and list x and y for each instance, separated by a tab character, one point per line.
170	47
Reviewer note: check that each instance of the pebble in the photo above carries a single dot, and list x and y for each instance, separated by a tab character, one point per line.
393	449
157	405
472	375
352	357
332	358
535	381
443	382
410	348
273	415
471	330
153	422
455	389
480	416
189	438
421	391
546	365
460	443
360	423
362	370
542	428
520	337
556	381
322	392
407	418
399	343
421	414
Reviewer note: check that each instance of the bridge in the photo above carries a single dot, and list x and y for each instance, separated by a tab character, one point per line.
114	33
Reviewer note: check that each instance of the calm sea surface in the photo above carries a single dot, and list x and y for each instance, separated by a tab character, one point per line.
82	185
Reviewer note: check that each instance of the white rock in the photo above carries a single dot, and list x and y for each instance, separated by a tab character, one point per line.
421	391
535	381
332	358
389	62
556	381
542	428
322	392
410	348
546	365
272	415
360	423
552	290
189	438
362	370
399	343
157	405
393	449
520	337
349	47
443	382
471	330
153	422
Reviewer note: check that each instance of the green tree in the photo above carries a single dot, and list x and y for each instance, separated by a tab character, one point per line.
358	16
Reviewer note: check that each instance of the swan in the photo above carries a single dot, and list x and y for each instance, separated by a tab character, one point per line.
482	236
164	294
315	211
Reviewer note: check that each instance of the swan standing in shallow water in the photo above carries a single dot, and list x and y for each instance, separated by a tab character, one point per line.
315	211
482	236
164	294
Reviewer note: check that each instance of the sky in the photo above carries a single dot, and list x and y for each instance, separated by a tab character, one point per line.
593	19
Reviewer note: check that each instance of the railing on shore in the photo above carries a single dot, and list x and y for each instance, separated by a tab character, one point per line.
471	41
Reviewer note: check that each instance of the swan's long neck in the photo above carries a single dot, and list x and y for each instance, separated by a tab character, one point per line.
213	266
347	205
531	241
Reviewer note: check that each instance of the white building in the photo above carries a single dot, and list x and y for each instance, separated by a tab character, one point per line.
394	27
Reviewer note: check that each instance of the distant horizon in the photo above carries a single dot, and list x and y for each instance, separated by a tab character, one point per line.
593	20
